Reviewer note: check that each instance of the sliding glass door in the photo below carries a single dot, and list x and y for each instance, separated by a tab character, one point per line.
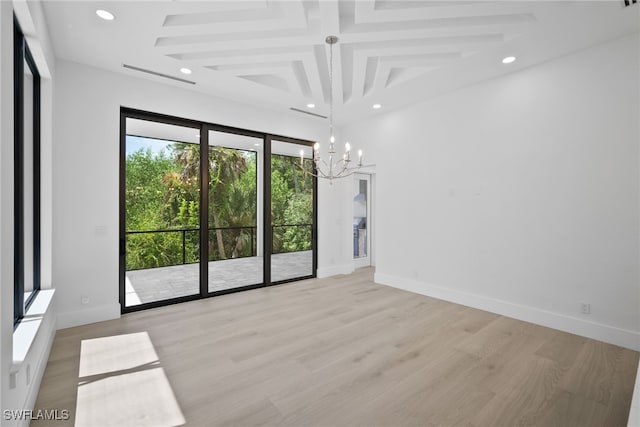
236	255
207	209
292	211
161	224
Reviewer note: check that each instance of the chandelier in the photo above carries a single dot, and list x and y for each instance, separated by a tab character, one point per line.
335	166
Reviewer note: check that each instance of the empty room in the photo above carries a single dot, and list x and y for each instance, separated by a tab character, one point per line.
319	213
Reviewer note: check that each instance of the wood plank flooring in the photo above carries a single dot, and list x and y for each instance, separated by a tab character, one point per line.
341	351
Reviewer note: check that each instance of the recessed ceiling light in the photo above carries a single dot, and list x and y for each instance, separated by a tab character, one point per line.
508	59
185	71
106	15
311	105
376	106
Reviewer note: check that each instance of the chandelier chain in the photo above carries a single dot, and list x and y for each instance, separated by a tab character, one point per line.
330	90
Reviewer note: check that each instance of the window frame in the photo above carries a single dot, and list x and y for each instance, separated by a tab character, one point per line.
267	242
22	55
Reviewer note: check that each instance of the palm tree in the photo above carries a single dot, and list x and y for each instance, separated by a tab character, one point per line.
226	166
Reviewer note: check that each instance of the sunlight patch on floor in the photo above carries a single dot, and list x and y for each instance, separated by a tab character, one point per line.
131	296
122	383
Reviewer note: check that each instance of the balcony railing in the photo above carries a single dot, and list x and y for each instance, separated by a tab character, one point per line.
176	246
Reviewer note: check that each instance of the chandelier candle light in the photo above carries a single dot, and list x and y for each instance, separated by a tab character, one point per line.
331	169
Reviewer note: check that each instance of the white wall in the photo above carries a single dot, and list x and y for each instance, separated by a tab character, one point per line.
519	195
6	197
24	353
85	184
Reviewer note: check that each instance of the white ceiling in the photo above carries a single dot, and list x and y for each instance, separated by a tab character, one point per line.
273	53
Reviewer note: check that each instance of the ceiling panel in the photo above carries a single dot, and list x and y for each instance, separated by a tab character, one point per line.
273	54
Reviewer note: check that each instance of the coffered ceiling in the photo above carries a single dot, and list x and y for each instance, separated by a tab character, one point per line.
273	53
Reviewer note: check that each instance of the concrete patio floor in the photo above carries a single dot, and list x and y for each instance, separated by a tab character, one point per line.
156	284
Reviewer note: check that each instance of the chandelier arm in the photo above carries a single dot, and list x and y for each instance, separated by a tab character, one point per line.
346	164
308	172
321	174
354	170
346	172
345	175
349	174
342	172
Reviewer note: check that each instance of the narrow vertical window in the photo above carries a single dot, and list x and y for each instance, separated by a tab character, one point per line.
26	176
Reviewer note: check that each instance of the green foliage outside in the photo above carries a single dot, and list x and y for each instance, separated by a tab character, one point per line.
291	204
162	205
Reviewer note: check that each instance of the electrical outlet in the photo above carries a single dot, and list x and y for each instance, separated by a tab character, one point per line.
84	299
586	308
13	380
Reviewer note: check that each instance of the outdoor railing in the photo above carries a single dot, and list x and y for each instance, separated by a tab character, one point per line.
160	250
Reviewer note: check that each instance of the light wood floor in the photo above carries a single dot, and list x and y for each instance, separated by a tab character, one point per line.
341	351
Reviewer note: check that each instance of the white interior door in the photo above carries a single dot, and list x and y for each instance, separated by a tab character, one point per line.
361	220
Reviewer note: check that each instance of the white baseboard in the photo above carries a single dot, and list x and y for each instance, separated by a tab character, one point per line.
90	315
334	270
598	331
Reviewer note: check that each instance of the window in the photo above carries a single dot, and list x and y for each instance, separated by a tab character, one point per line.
207	209
26	175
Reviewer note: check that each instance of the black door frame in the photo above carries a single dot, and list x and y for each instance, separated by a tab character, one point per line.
267	240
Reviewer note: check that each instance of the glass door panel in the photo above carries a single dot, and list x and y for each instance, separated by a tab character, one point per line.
235	238
361	214
292	213
162	166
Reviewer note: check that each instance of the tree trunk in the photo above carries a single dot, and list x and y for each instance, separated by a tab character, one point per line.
216	224
294	175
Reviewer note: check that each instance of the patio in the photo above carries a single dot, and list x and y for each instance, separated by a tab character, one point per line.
155	284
